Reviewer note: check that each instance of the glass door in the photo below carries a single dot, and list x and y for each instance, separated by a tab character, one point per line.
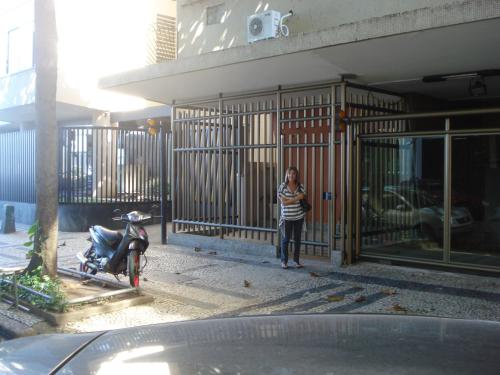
475	200
401	197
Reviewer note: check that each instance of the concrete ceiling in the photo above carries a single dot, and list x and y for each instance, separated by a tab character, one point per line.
396	62
65	113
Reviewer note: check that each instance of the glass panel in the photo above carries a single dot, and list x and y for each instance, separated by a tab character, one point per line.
402	197
475	220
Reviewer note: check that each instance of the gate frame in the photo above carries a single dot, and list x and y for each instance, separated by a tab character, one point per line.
347	154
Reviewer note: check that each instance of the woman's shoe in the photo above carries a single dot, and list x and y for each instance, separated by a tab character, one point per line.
298	265
284	265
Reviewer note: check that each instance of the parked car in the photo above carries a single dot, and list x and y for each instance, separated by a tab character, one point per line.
406	208
294	344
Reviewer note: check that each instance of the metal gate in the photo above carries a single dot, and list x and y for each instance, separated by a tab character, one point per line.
230	154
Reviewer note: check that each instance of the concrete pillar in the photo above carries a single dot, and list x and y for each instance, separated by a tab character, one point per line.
8	221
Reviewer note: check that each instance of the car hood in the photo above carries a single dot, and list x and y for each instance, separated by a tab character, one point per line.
40	354
296	344
456	212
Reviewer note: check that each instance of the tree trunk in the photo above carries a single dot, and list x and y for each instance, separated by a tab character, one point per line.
45	61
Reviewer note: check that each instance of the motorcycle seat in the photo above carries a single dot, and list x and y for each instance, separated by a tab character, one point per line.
112	237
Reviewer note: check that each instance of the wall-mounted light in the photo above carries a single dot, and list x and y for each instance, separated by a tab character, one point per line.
477	87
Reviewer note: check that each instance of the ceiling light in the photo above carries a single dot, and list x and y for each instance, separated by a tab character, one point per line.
461	75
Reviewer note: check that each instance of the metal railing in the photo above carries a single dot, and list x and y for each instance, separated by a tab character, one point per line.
17	166
110	165
230	154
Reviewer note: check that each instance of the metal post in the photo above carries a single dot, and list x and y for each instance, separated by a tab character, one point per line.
447	192
16	298
173	180
221	170
163	183
343	183
279	166
358	196
350	197
331	176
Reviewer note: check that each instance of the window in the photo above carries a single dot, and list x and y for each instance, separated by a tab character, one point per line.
215	14
19	49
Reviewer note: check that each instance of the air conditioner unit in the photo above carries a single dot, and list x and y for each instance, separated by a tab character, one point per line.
263	26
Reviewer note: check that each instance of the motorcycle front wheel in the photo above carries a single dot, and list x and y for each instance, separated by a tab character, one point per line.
134	263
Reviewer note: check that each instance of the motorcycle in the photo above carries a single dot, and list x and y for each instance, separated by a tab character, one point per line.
115	253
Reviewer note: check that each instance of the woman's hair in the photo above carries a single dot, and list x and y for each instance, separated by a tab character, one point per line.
290	169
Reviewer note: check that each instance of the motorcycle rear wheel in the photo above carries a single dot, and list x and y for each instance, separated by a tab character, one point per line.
85	268
134	263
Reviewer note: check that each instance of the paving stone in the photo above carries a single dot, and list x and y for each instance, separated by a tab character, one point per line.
194	285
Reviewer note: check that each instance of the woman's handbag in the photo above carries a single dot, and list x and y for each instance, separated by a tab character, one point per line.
305	205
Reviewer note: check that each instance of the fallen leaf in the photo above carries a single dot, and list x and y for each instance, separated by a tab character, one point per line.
212	253
197	249
265	261
63	244
397	307
145	279
246	284
360	299
177	273
335	298
389	292
313	274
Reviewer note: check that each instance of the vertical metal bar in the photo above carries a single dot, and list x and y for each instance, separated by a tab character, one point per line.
239	196
245	176
358	197
204	172
200	200
233	169
279	166
257	177
447	192
220	167
135	156
332	175
100	164
271	158
163	185
173	186
227	171
265	209
188	171
106	162
251	159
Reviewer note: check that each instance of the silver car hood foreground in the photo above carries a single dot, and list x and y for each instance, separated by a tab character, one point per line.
296	344
40	354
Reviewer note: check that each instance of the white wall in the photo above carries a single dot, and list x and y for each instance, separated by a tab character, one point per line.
99	38
195	37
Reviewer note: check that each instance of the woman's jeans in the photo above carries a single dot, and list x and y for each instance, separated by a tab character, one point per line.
291	227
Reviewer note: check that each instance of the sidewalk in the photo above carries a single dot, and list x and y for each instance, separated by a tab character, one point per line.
191	285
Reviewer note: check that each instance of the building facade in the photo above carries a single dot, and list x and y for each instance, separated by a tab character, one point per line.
100	131
411	177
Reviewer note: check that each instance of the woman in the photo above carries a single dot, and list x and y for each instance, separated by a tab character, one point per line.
292	216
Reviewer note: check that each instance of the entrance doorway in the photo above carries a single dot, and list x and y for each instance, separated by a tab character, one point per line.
430	194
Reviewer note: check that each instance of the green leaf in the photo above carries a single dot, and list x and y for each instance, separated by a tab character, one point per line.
33	229
28	244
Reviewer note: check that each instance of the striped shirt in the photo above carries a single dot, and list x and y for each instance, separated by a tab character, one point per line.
291	212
